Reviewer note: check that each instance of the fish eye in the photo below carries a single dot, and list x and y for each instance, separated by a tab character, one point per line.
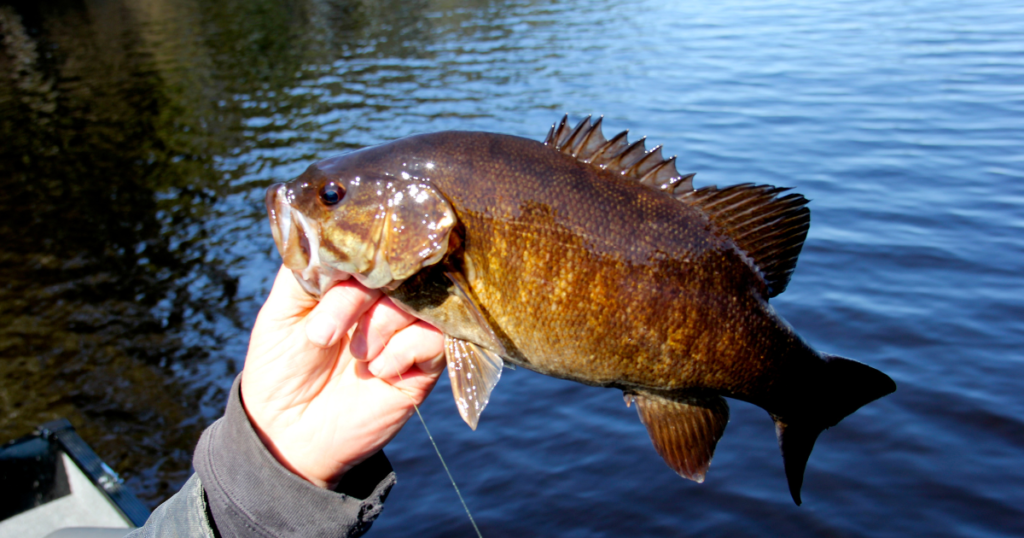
331	193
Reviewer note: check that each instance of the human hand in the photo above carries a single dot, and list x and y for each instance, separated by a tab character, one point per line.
323	397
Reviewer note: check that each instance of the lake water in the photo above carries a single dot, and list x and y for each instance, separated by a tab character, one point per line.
138	137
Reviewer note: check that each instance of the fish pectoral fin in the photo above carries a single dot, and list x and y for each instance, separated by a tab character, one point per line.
684	431
474	371
461	288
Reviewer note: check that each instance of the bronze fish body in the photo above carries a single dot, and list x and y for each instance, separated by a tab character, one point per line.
587	259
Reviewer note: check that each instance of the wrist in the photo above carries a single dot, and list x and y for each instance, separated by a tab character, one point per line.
290	462
247	492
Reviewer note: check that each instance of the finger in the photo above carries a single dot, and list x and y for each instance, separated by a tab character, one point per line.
339	309
287	298
376	327
418	344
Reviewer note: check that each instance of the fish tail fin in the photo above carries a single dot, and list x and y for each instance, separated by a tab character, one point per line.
845	386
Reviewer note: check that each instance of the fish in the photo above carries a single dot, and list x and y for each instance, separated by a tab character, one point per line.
584	258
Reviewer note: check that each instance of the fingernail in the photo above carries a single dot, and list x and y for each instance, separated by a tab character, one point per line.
320	330
358	345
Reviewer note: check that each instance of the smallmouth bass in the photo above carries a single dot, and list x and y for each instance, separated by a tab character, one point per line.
582	258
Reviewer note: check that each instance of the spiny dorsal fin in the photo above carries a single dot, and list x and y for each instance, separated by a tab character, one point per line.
587	144
768	228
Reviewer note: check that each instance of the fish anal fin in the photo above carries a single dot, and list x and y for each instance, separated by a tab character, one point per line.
586	143
684	431
473	371
767	226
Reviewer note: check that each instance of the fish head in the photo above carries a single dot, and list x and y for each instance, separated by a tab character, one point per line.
334	225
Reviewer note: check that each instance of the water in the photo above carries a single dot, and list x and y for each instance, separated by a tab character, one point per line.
138	137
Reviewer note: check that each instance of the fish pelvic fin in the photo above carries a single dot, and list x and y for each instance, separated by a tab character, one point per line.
684	431
847	385
768	226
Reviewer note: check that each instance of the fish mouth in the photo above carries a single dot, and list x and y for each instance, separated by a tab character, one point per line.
298	241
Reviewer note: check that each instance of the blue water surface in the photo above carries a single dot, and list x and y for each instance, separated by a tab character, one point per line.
902	122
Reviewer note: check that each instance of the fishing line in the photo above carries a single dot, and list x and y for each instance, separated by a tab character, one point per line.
438	451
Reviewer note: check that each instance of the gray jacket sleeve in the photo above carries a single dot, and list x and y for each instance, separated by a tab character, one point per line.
239	489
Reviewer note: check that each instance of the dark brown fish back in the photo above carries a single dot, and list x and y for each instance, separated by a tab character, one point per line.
769	229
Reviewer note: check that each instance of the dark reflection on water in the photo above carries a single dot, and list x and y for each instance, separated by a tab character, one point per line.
137	136
110	285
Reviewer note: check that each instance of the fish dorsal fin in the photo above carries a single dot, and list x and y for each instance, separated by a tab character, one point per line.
587	144
768	228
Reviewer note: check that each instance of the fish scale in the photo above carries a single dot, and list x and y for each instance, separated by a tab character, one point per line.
587	259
